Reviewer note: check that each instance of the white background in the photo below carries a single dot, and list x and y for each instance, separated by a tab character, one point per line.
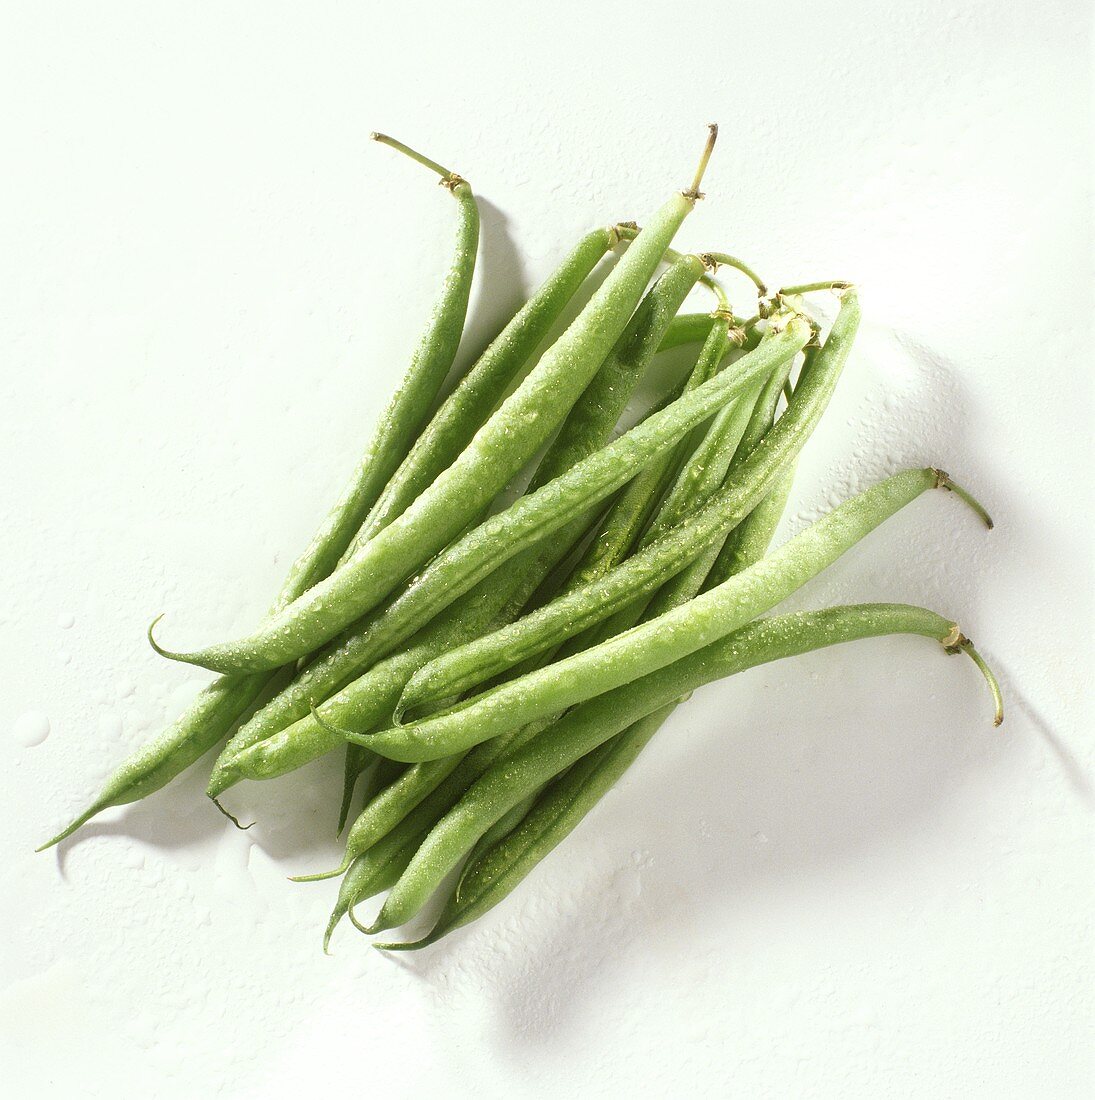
828	878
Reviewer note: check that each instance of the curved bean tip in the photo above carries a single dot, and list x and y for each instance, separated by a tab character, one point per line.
966	646
943	480
231	817
411	945
220	780
356	923
75	824
332	924
152	639
957	642
321	876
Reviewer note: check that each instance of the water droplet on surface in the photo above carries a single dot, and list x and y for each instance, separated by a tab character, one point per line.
31	728
66	621
110	725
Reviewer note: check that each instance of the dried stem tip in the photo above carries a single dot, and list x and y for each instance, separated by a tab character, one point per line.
694	193
448	179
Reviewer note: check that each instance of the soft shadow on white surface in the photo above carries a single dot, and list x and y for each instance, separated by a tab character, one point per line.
720	816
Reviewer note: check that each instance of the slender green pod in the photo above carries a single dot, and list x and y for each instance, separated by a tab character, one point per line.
600	769
521	772
221	704
660	641
513	434
749	541
408	409
591	420
478	393
586	429
370	869
752	536
636	504
525	524
687	328
639	576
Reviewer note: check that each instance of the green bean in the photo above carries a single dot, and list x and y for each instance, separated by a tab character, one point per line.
527	522
380	816
728	460
633	509
751	538
399	844
409	407
647	570
686	328
589	424
589	726
493	872
587	428
499	449
596	412
655	643
459	669
375	871
221	704
479	391
502	828
749	541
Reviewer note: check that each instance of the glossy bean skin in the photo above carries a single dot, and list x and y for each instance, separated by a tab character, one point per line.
687	328
647	570
660	641
496	599
477	394
220	705
523	526
600	770
636	504
406	414
594	723
398	845
458	495
588	426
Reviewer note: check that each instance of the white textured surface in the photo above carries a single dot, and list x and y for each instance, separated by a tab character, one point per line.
830	878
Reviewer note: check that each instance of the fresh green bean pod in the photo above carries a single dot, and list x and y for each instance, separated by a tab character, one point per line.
409	408
525	420
396	847
660	641
591	725
478	393
502	828
752	538
586	429
631	512
639	576
221	704
492	875
687	328
526	523
590	423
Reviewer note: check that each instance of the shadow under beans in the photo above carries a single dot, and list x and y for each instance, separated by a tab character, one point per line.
828	763
178	816
813	774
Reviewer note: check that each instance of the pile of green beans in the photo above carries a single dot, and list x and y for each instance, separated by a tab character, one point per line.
493	670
